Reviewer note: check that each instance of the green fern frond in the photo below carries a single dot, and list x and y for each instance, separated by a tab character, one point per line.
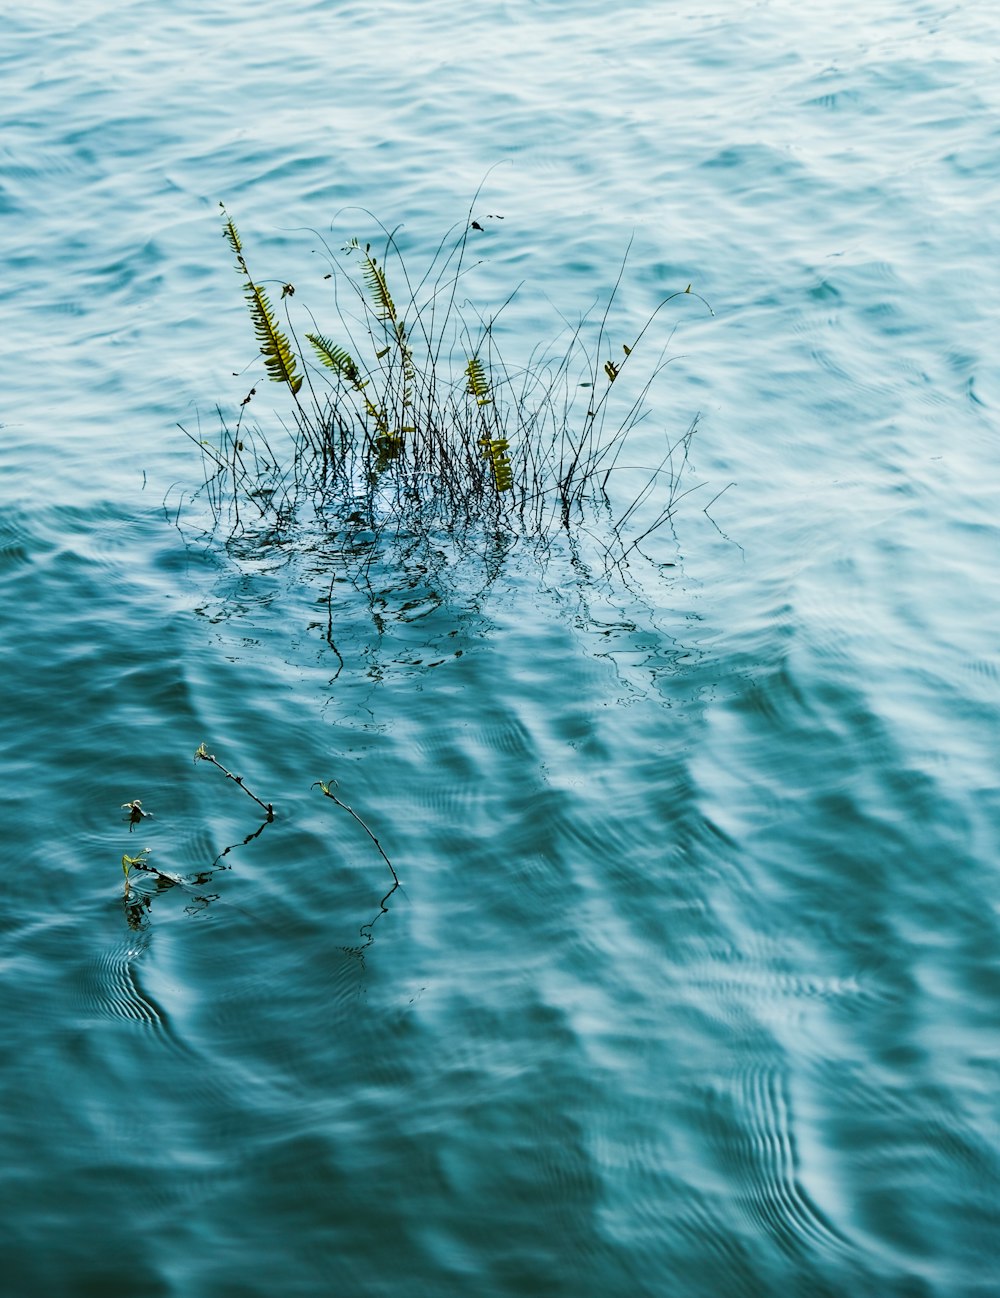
374	277
337	359
478	384
378	289
279	360
232	234
495	449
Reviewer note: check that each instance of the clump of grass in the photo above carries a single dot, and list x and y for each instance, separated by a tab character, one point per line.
407	416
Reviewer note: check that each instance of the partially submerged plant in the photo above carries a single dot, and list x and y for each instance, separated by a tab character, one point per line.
136	813
408	417
366	929
130	863
324	788
203	755
137	900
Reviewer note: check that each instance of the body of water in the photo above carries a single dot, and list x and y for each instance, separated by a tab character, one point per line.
690	986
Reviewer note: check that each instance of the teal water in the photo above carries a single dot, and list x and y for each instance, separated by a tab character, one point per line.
691	986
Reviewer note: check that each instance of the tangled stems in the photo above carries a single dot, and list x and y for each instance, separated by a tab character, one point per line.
408	417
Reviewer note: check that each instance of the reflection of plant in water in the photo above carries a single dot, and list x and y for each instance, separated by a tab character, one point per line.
206	874
136	906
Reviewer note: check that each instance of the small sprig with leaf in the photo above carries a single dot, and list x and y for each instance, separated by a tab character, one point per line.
327	791
136	813
130	863
203	755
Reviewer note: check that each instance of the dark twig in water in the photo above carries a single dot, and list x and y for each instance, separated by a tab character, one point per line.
366	930
325	788
203	756
216	864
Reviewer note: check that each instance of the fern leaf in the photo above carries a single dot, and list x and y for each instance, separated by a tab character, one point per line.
337	359
232	234
378	289
478	384
495	449
279	360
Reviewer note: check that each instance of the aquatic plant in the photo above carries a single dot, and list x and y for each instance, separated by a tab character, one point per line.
136	813
324	788
407	416
366	930
137	900
129	863
203	755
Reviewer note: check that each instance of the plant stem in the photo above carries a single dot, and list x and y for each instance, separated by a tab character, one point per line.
202	756
325	788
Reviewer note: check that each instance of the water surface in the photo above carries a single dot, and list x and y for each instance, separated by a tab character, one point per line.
690	986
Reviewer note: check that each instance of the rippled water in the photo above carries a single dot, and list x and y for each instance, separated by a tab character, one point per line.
691	983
